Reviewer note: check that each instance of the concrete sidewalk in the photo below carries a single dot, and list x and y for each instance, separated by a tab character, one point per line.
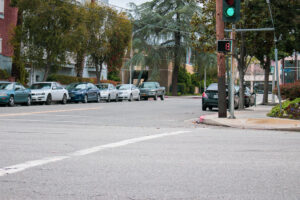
252	118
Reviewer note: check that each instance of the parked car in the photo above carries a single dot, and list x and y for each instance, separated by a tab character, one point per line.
249	97
12	93
128	92
210	97
47	92
83	92
152	89
108	91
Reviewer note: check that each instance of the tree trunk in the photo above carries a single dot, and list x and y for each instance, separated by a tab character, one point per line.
80	58
47	69
100	72
177	36
97	70
266	82
241	89
140	77
16	64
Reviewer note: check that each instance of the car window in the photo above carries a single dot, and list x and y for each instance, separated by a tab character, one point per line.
123	87
148	85
18	87
77	86
58	86
6	86
37	86
213	86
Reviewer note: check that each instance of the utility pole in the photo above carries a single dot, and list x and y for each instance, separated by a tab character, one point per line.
222	113
232	89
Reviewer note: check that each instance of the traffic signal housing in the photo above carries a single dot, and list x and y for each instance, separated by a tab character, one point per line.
231	10
224	46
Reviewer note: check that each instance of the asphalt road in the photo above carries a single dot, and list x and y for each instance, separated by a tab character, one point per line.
147	150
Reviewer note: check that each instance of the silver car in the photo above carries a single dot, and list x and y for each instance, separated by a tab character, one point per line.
128	92
108	92
47	92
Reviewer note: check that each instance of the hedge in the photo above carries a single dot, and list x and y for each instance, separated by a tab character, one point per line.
66	80
289	91
3	74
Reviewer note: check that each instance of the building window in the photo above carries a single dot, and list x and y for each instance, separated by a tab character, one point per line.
0	45
2	9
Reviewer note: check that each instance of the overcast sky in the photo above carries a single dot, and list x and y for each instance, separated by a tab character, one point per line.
124	3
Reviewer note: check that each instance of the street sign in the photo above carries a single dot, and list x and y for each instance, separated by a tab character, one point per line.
224	46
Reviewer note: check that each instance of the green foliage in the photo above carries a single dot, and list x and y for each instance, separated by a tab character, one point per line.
184	77
114	75
3	74
66	80
289	91
290	109
181	88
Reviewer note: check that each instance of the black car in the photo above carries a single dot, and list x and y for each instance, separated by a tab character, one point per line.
210	97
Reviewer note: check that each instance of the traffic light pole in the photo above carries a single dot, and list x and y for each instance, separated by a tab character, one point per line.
222	113
231	95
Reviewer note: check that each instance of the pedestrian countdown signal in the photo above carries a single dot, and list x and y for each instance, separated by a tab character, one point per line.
224	46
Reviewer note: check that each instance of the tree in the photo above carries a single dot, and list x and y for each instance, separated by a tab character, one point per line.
43	33
166	24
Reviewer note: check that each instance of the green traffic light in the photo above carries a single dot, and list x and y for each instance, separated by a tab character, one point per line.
230	12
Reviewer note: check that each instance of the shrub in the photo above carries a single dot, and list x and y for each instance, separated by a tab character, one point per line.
3	74
289	91
290	109
191	89
181	87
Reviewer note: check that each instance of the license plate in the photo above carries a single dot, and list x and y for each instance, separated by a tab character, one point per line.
215	96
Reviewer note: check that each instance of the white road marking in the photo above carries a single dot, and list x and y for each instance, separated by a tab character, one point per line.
34	163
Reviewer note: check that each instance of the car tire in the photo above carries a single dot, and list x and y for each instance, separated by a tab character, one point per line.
130	98
155	97
117	99
210	108
108	99
28	103
98	98
49	99
11	101
162	97
139	98
146	98
64	99
203	108
85	99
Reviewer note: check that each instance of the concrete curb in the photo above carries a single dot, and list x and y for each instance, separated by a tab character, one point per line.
253	123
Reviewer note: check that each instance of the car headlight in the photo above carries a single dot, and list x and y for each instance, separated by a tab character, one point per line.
3	94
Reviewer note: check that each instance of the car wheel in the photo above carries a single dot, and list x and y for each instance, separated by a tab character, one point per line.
98	98
49	99
11	101
64	99
139	98
162	97
146	98
210	108
85	99
203	108
108	99
117	99
28	103
130	98
155	97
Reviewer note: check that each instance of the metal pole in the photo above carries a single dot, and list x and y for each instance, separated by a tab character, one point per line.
277	73
131	55
205	78
273	86
231	101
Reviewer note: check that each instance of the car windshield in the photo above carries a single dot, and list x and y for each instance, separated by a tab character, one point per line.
123	87
213	86
38	86
76	86
102	86
148	85
6	86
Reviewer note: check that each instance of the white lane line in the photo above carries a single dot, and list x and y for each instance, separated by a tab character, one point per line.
34	163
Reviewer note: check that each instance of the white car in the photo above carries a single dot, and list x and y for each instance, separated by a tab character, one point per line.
128	92
108	91
47	92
